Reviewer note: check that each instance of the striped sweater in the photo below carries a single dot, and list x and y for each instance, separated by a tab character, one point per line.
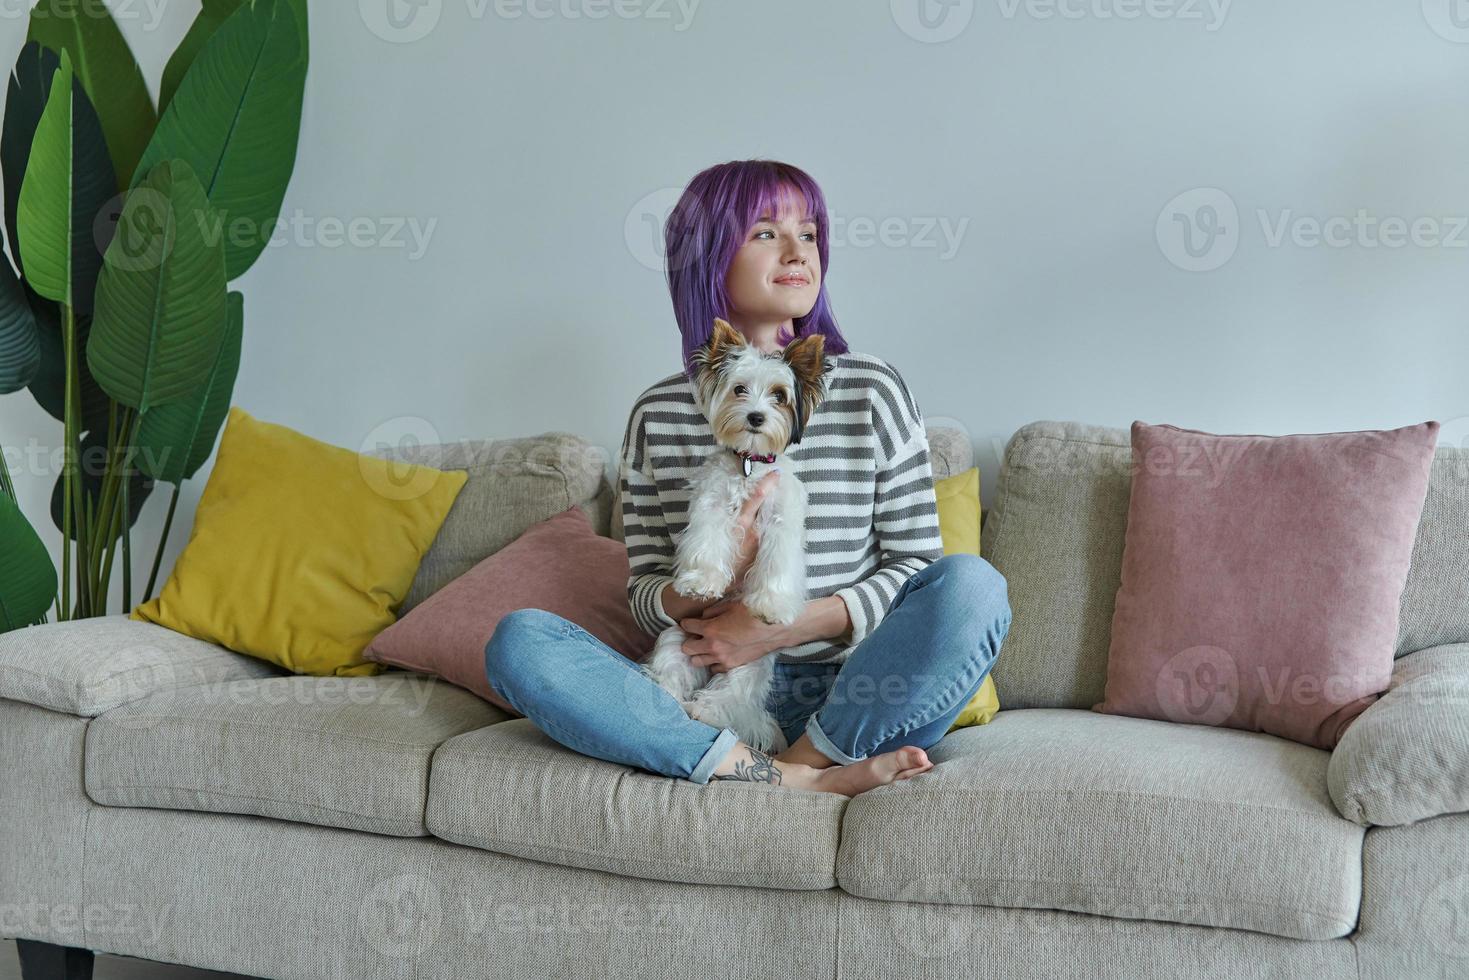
872	518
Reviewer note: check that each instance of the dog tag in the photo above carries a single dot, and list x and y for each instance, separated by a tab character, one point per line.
746	461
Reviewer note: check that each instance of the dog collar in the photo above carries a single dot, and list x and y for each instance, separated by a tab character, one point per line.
745	458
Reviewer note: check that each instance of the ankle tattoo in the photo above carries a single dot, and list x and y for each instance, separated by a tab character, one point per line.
759	769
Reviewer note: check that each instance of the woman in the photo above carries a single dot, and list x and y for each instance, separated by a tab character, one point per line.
899	637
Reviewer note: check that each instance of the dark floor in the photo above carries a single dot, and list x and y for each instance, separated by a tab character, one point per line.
116	968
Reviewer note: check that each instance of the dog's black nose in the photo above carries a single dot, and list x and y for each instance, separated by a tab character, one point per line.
756	418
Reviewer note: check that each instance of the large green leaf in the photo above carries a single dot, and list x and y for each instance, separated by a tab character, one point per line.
161	296
105	64
235	119
92	464
214	13
175	439
25	100
20	342
68	184
49	385
27	577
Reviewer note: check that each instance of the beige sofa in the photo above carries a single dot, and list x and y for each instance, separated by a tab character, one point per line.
168	799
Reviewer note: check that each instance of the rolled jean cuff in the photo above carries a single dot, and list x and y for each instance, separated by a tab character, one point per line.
711	759
824	745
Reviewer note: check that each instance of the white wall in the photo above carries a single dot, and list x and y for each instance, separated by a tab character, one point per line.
1049	135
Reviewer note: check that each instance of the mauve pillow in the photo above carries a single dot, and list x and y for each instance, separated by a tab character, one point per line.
560	564
1261	576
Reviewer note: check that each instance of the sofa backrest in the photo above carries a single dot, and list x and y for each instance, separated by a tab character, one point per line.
513	483
1056	530
950	451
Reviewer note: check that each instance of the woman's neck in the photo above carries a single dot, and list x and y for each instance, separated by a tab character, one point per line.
762	335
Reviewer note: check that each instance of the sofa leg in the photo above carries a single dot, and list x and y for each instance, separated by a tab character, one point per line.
47	961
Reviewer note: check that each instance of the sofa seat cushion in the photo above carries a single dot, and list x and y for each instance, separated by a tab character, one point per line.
514	790
89	666
1057	808
350	752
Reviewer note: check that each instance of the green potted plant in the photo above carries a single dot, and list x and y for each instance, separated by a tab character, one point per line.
126	224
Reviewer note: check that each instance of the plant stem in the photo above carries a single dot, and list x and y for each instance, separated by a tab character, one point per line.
104	502
173	501
105	498
5	483
68	340
127	521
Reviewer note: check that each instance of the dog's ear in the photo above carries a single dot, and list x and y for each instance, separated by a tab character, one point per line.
812	369
710	357
722	340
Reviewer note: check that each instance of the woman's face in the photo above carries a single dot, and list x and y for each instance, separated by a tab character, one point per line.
776	274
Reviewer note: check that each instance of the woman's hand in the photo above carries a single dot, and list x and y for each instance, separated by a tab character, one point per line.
728	636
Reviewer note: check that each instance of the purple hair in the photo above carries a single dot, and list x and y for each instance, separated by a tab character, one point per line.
707	227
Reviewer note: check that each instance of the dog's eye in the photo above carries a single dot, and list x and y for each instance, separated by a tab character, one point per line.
739	389
780	396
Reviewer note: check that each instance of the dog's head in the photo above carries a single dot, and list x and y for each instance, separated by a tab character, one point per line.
759	402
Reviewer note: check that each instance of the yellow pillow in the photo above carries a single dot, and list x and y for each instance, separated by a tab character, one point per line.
301	551
959	515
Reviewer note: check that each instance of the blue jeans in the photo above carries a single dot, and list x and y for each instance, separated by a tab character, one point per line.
904	684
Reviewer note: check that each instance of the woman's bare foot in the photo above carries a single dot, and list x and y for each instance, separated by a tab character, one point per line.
751	765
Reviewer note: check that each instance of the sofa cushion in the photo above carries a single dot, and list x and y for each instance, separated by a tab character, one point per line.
87	666
1056	527
1115	816
513	483
348	752
1055	530
1435	608
301	551
513	790
561	565
1234	609
1406	758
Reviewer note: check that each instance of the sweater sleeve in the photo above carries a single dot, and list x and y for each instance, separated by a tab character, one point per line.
649	546
904	510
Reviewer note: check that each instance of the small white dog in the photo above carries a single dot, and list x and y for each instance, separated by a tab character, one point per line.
757	405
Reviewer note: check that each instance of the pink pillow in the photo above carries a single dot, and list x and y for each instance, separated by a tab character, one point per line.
1261	576
561	565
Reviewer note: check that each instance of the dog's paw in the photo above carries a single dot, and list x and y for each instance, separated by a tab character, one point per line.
774	608
700	583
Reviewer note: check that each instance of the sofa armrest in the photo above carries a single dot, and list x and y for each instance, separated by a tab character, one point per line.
1406	758
86	667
